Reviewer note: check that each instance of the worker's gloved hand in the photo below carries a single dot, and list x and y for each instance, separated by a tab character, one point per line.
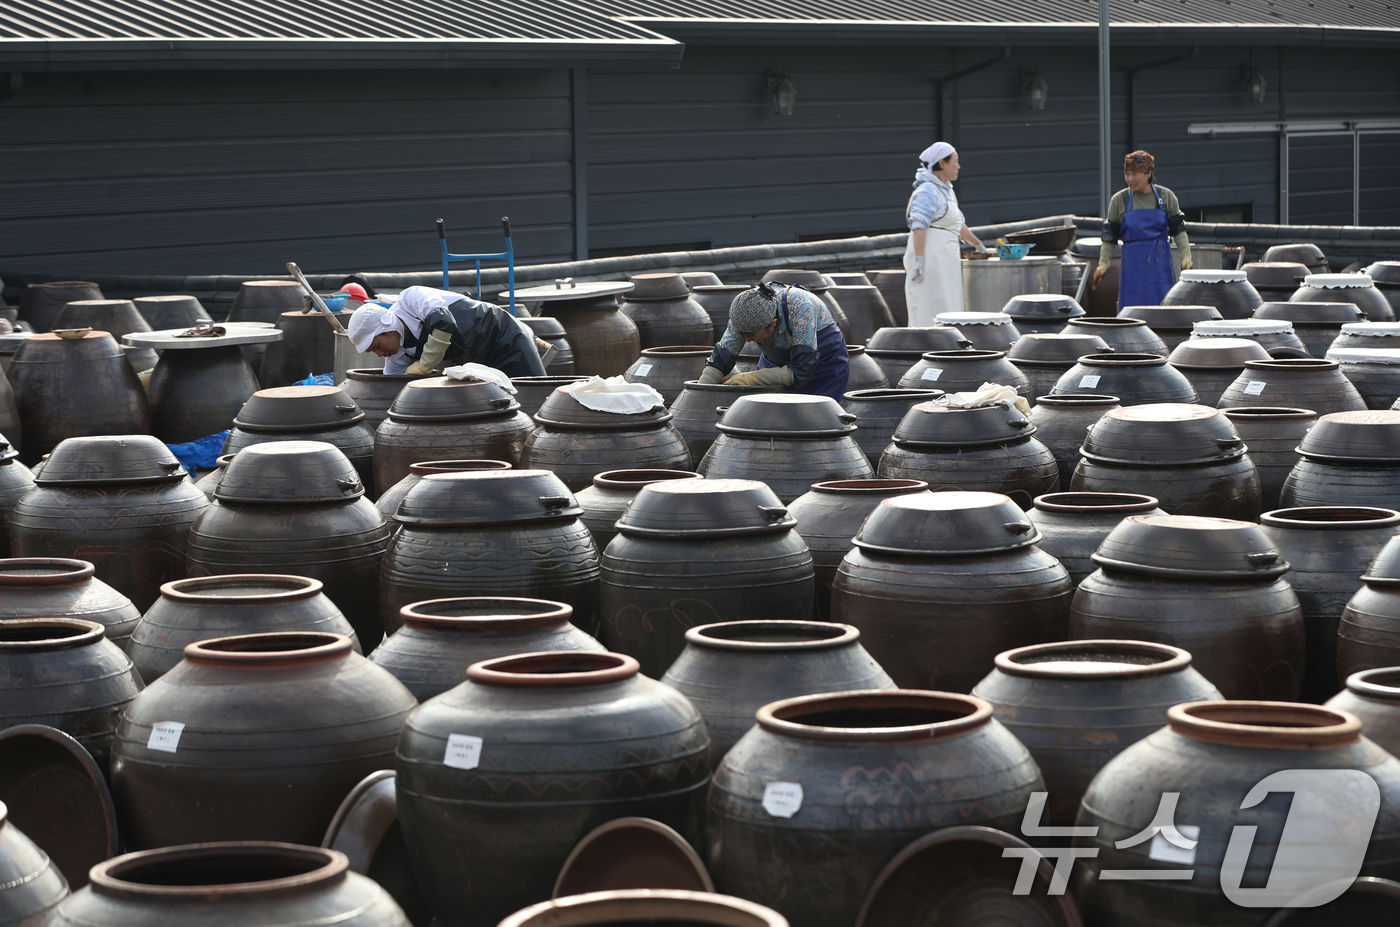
433	353
918	275
1187	263
711	375
774	376
1099	273
749	378
981	248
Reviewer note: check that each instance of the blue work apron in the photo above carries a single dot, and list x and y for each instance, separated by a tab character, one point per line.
833	360
1146	273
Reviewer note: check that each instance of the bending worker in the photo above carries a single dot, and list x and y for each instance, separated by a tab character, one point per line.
1143	217
933	280
801	344
428	328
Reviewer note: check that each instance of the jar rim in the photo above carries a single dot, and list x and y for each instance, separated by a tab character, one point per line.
1170	660
271	649
59	571
286	588
1265	724
510	612
113	876
26	635
729	635
970	713
1077	502
555	669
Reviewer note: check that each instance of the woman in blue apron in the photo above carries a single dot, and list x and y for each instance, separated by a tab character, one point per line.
1146	218
801	344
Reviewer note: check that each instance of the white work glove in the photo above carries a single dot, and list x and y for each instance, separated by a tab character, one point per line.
981	248
433	353
711	374
918	275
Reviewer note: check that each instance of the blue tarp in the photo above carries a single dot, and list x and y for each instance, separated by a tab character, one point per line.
202	453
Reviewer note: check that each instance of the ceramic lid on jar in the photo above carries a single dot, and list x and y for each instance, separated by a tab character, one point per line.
1170	318
1240	328
290	473
1338	281
1036	306
298	408
1216	352
705	508
1369	436
443	399
657	287
1190	546
1062	350
959	319
1214	276
544	326
109	459
949	524
487	497
1162	434
1367	329
811	279
1344	356
569	289
933	423
1311	313
786	415
561	410
916	340
1384	272
696	278
721	288
1276	274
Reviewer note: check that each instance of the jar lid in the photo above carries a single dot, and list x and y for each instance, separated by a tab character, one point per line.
1310	313
935	424
1338	281
1240	328
298	408
657	287
97	459
1276	274
959	319
1364	356
568	289
950	524
1061	350
1163	434
290	473
1370	436
705	508
1214	276
561	410
443	399
1170	318
1042	306
544	326
893	394
696	278
1190	546
1217	352
916	340
487	497
811	279
1384	272
787	415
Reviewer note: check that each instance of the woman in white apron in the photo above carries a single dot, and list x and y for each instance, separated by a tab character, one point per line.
932	272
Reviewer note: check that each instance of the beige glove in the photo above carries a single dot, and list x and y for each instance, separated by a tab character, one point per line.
768	376
1099	273
433	353
711	375
1186	263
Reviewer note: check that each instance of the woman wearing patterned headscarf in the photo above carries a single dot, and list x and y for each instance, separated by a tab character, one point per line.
800	343
1143	217
932	268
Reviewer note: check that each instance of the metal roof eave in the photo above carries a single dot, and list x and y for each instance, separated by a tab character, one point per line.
123	54
889	32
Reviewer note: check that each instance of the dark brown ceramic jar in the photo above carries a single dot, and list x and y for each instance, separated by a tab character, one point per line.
440	418
895	350
1375	374
1042	313
531	392
388	503
1329	547
1229	291
192	610
15	480
830	515
604	339
44	587
1078	704
1305	253
1358	289
195	392
988	449
863	372
988	331
1272	435
11	428
865	308
490	532
716	300
253	737
890	283
667	369
1124	336
661	308
439	638
253	882
307	346
1073	524
116	317
1275	280
1044	357
669	906
374	391
879	412
1136	379
1211	755
577	443
1170	323
1276	336
1298	383
552	332
1369	634
1062	421
1212	364
171	311
1211	586
124	503
965	371
306	413
1347	458
809	786
1373	696
1189	457
297	507
71	388
788	441
210	481
692	552
1317	325
64	673
612	491
539	749
42	302
732	669
696	412
939	584
35	884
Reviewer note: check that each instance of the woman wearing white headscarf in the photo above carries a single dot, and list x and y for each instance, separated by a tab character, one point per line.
932	272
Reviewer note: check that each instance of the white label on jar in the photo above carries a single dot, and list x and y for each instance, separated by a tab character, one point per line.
782	799
1165	851
463	751
642	370
1254	387
165	736
1089	381
933	373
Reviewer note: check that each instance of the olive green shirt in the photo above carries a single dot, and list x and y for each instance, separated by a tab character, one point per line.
1119	205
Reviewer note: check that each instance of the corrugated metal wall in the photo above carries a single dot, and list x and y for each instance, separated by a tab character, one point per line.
200	172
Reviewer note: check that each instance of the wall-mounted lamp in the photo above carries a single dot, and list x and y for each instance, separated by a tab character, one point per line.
1256	84
1037	91
782	91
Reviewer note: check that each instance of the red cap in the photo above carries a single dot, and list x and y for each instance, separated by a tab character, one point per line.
355	290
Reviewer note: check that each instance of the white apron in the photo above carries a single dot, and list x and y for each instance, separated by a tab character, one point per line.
941	290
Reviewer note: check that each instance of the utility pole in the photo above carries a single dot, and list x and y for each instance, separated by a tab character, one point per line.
1105	114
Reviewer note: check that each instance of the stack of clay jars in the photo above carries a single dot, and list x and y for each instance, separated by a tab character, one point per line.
306	413
661	307
895	350
788	441
1347	458
576	443
1317	325
1042	313
1358	289
440	418
1044	358
989	449
1229	291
